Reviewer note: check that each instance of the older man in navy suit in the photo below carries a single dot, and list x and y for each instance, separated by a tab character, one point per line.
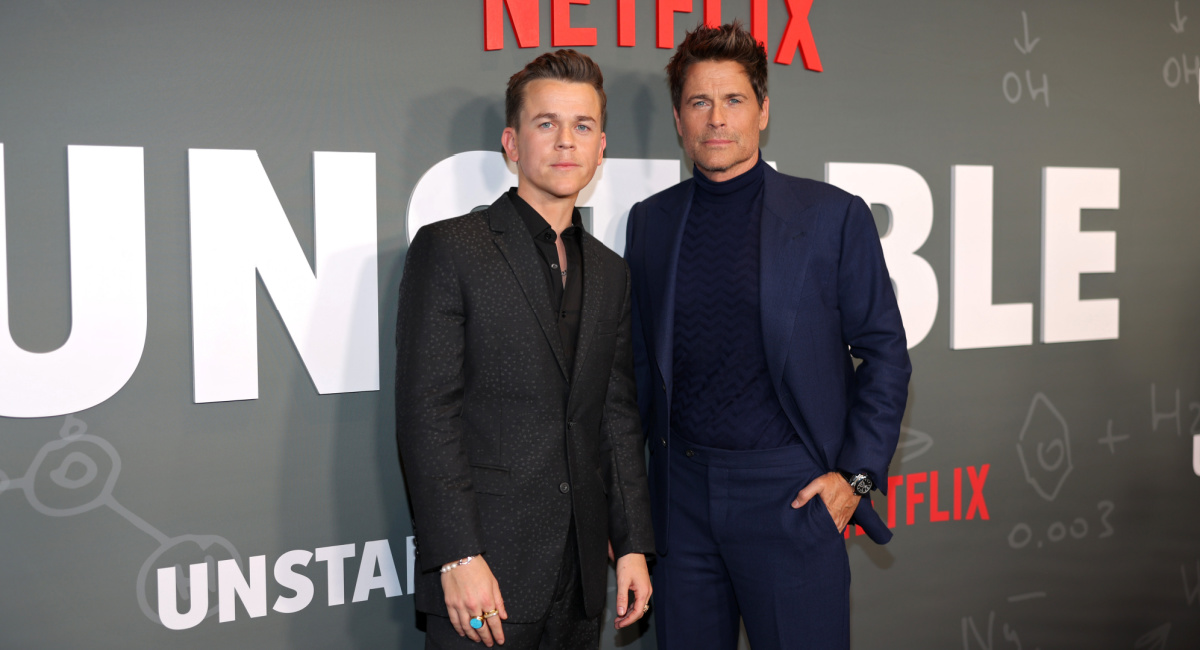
752	292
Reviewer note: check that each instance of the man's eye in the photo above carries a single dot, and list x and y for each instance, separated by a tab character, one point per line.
583	128
735	100
545	125
700	104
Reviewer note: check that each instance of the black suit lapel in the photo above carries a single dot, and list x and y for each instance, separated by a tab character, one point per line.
512	238
593	297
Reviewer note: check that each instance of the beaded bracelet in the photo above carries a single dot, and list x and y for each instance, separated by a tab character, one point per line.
446	568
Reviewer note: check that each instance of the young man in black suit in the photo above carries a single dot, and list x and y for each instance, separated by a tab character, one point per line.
516	415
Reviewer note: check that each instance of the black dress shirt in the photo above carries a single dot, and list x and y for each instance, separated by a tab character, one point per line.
566	297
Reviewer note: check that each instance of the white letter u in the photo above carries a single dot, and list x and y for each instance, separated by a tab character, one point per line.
106	192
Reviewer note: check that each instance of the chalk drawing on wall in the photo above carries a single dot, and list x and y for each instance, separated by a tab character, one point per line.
1180	20
1012	85
1155	639
1044	448
973	637
76	474
1182	69
1111	440
913	443
1191	590
1022	534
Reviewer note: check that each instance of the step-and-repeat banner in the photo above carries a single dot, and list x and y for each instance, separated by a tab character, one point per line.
206	209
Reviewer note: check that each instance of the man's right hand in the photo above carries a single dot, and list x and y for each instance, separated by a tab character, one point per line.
472	590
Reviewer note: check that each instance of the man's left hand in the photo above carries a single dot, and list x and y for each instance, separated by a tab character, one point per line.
837	495
632	575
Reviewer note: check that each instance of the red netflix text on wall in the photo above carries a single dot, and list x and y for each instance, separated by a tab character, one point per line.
524	15
921	496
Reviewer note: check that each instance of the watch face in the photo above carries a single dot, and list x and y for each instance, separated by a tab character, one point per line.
864	486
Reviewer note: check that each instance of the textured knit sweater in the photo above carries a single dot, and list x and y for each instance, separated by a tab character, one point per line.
723	396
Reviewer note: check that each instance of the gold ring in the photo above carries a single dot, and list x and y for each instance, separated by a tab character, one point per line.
489	614
646	608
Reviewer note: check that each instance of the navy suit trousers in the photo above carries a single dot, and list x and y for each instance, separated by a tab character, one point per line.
739	549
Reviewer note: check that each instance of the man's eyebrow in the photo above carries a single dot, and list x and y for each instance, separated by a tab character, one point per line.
736	93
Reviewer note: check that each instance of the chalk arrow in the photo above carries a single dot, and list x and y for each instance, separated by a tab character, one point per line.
913	443
1179	20
1029	45
1155	639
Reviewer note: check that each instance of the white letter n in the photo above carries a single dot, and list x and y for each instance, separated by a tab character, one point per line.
238	227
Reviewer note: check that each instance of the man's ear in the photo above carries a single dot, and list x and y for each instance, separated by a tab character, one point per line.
764	113
678	128
508	140
603	144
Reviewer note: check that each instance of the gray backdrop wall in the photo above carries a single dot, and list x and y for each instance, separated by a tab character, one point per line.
1066	472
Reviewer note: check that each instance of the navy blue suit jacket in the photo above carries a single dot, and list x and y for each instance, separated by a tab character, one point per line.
826	297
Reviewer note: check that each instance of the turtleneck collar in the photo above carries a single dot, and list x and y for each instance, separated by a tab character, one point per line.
739	188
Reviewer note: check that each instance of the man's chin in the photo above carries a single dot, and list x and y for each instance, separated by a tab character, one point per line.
711	167
719	165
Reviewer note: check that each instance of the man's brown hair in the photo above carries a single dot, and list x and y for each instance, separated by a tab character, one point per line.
729	42
561	65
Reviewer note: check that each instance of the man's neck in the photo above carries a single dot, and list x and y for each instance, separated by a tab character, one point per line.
555	210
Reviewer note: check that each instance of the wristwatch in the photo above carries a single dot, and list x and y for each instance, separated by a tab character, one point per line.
858	482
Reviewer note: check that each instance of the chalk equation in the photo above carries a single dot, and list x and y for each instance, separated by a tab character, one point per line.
1022	534
1176	70
1160	415
77	473
975	638
1110	439
1014	87
1181	70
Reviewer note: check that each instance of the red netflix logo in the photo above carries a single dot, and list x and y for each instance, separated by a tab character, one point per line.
927	488
523	15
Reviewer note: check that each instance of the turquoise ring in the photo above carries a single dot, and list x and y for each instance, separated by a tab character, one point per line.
476	622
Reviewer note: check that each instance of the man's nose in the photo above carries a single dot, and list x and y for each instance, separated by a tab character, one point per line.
566	139
716	117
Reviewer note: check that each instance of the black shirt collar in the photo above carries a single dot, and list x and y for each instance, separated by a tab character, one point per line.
537	225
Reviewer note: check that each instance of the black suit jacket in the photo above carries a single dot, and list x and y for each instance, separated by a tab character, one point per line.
499	448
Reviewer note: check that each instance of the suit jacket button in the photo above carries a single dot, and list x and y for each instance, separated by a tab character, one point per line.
689	453
664	441
564	487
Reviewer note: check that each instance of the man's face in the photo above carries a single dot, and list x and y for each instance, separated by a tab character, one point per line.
557	144
719	119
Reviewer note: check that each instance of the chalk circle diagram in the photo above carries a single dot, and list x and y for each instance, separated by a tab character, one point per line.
182	552
74	464
77	472
1045	440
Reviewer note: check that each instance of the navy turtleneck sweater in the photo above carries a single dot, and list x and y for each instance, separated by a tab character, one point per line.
723	396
